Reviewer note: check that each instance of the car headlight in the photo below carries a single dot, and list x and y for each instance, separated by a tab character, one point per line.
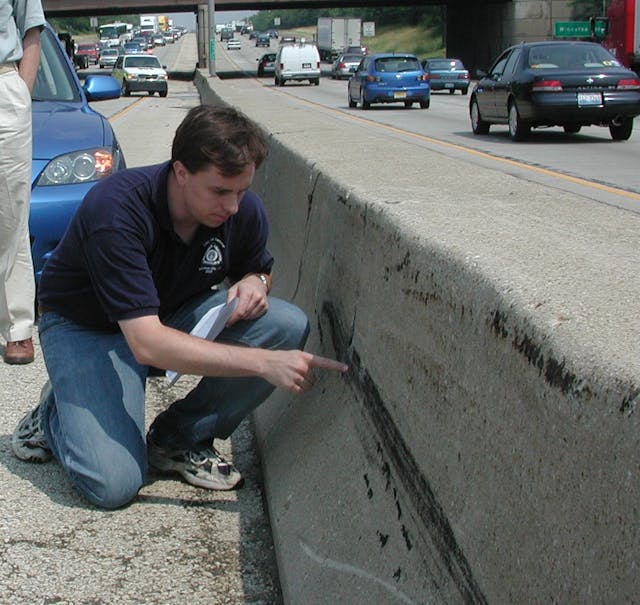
78	167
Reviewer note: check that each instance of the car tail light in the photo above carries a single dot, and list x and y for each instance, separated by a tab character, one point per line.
629	84
371	79
547	86
423	78
463	76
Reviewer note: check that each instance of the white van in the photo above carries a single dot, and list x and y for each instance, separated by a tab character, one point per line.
299	61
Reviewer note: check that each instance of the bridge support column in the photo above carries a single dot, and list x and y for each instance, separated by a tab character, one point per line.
203	36
212	38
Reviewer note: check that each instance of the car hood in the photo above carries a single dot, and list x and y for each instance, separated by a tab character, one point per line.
63	127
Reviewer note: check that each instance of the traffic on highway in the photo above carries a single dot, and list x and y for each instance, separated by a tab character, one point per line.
589	162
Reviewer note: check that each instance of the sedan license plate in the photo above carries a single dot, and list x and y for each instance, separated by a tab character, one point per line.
400	95
448	84
589	99
306	66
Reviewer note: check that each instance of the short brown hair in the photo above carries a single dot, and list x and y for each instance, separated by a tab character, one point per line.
219	135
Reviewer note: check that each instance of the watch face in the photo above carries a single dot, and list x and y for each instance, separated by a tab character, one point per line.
265	280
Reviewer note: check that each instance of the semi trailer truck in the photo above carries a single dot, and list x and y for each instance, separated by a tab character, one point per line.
335	34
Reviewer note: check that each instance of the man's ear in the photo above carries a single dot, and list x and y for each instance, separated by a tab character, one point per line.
180	171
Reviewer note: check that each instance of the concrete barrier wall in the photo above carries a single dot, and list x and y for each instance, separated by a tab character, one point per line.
484	446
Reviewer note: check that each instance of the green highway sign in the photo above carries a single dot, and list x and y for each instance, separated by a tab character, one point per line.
577	29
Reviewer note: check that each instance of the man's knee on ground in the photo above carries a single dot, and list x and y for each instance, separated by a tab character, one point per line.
111	487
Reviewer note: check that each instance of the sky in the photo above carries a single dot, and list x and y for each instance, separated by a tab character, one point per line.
188	20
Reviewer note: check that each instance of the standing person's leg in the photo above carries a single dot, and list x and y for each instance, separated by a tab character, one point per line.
17	286
93	415
216	406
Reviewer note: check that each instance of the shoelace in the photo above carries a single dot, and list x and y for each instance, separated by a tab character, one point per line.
210	455
32	430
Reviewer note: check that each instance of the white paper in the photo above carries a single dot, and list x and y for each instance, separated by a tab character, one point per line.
211	324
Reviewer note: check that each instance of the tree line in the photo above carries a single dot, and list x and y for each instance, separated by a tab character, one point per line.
427	16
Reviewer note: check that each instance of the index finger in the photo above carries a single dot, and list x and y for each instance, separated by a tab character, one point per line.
327	364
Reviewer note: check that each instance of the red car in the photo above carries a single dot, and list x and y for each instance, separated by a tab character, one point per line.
91	51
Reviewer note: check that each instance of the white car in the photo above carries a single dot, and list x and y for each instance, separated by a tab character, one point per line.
234	44
141	73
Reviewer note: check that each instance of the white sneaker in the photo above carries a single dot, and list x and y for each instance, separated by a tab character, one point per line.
28	441
204	468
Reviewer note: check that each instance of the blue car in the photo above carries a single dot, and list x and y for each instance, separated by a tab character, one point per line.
73	145
389	78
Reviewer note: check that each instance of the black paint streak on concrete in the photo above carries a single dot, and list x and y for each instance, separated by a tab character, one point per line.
554	370
629	402
383	538
413	480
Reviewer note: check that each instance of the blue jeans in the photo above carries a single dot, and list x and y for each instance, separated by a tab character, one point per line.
93	413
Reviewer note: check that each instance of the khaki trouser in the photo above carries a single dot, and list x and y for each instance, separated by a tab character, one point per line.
17	288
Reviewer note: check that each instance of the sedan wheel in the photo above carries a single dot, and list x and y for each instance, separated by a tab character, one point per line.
478	125
518	129
352	103
621	132
572	128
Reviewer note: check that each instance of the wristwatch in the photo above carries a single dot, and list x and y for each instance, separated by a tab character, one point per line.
265	280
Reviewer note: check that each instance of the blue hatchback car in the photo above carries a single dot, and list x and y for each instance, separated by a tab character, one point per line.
73	145
389	78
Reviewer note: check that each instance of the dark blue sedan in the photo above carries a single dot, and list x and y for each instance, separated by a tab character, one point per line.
73	145
569	84
389	78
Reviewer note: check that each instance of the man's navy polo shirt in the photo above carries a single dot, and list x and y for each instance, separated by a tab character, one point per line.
120	257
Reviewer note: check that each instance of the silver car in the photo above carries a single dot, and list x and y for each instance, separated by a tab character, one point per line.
108	57
344	66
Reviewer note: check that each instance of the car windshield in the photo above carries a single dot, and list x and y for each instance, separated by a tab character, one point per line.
351	58
142	61
446	64
53	80
579	56
395	64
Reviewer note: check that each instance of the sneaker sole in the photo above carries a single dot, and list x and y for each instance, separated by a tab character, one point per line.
30	454
233	482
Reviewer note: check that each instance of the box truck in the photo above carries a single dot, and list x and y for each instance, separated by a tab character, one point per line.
335	34
149	24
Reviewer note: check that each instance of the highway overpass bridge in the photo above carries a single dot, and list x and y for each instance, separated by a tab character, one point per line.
476	30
